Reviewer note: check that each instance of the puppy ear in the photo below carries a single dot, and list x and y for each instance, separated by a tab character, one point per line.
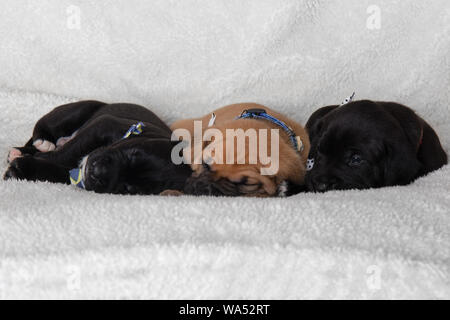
421	136
314	125
314	119
401	163
411	124
401	166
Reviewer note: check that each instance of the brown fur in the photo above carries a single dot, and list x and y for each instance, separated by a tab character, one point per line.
247	177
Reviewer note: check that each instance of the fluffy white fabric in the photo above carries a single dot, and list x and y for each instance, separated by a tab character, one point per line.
184	58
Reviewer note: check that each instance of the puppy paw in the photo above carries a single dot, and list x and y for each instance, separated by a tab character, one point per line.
21	169
62	141
170	192
44	145
13	171
13	154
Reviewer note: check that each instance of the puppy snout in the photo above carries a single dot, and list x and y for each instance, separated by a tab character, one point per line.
321	187
98	173
198	186
204	184
324	183
99	169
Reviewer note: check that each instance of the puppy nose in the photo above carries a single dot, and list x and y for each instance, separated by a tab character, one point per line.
321	187
324	183
197	186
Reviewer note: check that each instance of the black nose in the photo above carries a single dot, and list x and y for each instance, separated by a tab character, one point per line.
321	187
324	183
198	186
205	185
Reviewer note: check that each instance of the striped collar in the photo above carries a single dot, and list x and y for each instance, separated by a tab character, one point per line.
296	141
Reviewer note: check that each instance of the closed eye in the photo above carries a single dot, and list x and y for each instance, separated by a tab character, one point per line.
247	188
246	181
248	185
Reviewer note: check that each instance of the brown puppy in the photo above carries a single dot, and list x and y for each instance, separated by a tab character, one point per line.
235	169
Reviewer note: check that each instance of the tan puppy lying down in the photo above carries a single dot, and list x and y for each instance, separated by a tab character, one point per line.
247	149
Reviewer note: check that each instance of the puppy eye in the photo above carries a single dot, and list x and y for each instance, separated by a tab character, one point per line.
355	160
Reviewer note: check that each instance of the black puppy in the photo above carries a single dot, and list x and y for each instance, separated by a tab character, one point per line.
90	134
367	144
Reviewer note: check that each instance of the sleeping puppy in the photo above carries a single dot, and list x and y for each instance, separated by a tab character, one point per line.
91	134
367	144
238	175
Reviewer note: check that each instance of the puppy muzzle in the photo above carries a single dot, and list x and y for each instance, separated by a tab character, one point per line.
321	183
205	184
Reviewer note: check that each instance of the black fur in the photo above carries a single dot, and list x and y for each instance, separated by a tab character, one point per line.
367	144
140	164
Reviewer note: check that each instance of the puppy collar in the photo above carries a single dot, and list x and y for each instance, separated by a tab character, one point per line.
296	141
76	178
134	129
309	164
347	100
212	120
76	175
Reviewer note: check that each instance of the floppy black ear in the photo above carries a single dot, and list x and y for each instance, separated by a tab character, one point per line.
314	126
314	120
402	164
431	154
421	136
411	124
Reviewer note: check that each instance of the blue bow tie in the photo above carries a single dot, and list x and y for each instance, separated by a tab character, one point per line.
134	129
76	178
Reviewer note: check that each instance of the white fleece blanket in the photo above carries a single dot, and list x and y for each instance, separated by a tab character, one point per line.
185	58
